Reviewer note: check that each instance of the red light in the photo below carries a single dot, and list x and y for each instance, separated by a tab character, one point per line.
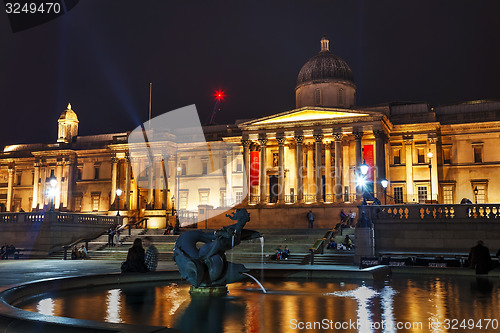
219	94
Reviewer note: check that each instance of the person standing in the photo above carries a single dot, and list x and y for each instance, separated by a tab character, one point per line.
111	235
151	259
479	258
310	219
352	217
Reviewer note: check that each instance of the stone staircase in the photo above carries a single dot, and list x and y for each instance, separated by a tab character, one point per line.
299	241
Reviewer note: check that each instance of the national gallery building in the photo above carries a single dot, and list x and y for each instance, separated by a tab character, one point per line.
306	157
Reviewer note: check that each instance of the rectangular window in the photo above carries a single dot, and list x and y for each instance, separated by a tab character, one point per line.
446	156
421	155
183	169
78	204
223	202
422	194
204	197
396	153
480	197
204	168
239	165
18	177
96	172
239	196
183	200
398	194
478	154
95	202
448	195
79	173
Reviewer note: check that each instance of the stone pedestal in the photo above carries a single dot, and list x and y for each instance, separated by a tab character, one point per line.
364	243
208	291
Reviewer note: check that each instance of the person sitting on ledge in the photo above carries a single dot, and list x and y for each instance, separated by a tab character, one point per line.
332	244
286	253
347	242
82	252
277	254
74	253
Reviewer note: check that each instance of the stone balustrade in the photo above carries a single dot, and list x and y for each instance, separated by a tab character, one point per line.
59	217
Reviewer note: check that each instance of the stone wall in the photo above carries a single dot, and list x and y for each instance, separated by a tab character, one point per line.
435	228
276	217
46	232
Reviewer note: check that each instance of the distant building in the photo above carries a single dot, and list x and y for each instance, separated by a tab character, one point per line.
309	155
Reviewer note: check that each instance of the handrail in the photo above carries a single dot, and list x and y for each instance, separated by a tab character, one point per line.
131	224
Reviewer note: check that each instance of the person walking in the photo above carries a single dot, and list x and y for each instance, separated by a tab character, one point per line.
352	217
310	219
111	235
151	259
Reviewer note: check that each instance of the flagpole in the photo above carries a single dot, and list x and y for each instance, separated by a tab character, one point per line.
150	86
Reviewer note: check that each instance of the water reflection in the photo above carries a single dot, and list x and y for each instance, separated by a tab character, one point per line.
402	301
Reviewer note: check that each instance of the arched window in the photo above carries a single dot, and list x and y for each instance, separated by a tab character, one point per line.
317	97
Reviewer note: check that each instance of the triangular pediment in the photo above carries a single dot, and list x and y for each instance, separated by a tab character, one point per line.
307	115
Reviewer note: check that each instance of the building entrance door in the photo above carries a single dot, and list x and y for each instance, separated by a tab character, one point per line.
274	188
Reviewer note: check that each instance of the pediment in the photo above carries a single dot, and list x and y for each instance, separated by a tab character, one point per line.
306	115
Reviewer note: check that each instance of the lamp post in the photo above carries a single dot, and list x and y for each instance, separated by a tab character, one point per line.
118	193
52	191
384	183
476	192
429	155
173	205
361	182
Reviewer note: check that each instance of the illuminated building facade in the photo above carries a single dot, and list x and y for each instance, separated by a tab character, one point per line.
309	155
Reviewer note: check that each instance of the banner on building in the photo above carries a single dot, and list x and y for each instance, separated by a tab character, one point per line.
369	160
254	168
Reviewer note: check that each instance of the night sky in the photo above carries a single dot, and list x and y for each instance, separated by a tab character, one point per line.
101	56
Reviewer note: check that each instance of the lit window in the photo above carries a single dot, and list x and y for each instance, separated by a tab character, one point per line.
480	198
183	199
446	156
78	204
239	196
478	154
204	197
398	194
422	194
396	153
448	194
421	155
95	202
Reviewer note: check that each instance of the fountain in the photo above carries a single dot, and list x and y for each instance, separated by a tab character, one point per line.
207	269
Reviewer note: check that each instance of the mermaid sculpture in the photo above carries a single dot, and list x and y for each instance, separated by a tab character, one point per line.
207	266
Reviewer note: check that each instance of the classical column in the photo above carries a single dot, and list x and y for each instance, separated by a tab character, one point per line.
114	176
36	176
10	188
246	170
59	176
299	140
434	170
158	186
379	162
263	175
328	169
310	170
408	140
126	191
152	169
70	172
135	187
229	175
281	167
318	138
359	161
41	187
338	165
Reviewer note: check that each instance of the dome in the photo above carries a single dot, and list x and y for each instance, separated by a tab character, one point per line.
68	114
325	66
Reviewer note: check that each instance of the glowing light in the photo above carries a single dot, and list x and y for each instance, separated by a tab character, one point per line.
119	192
219	94
384	183
364	168
113	306
361	181
46	306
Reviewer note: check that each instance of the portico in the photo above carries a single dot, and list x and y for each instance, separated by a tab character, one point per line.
310	155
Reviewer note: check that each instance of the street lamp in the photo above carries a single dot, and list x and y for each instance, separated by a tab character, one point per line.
384	183
429	155
476	192
173	205
52	190
363	181
118	193
179	169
